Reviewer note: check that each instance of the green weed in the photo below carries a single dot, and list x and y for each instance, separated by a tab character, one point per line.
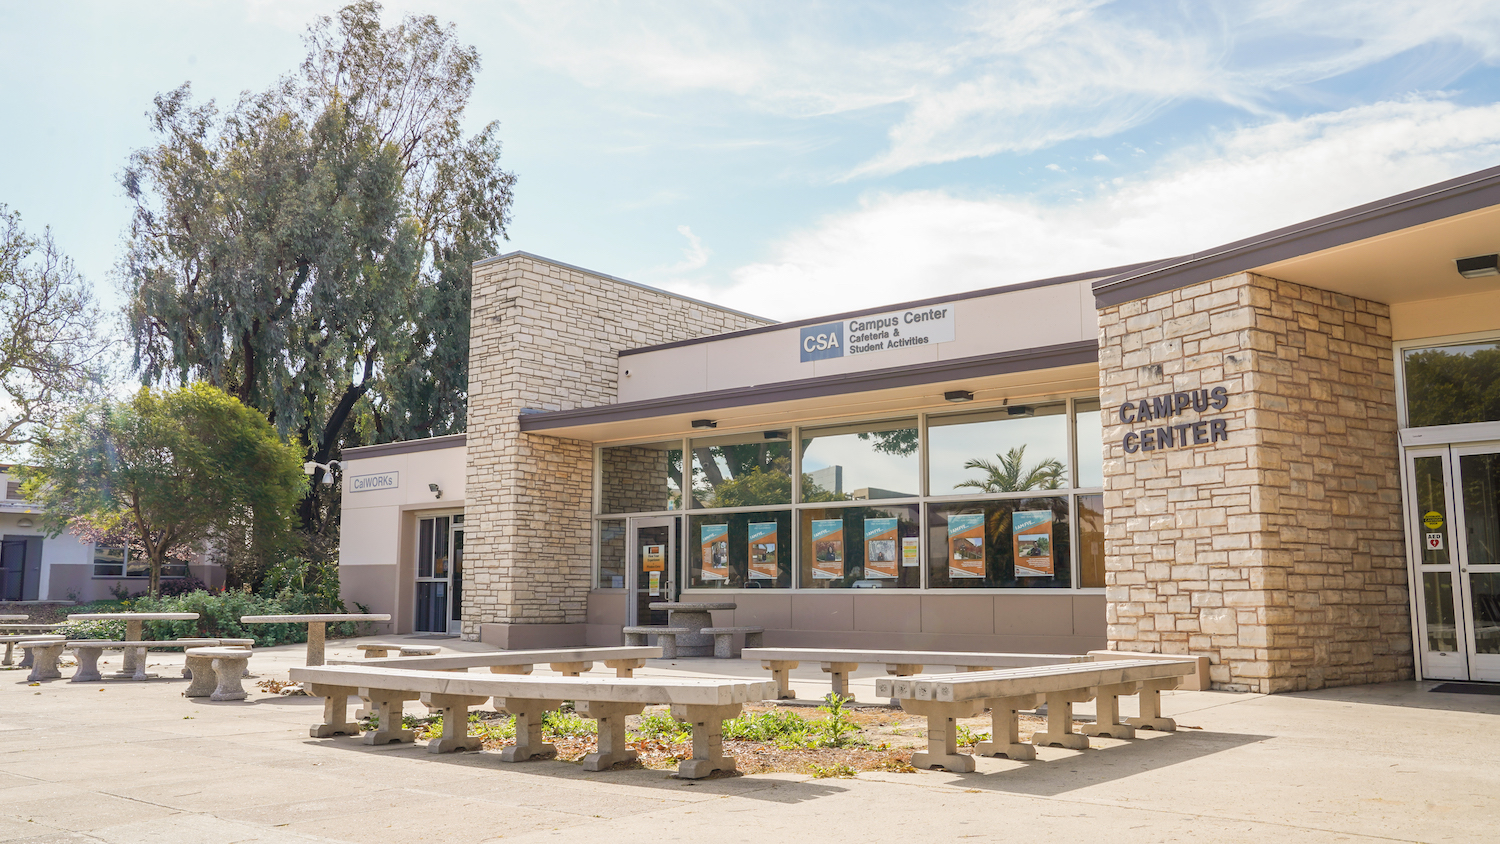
968	738
825	771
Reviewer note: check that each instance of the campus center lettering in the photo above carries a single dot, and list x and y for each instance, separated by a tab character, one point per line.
878	333
1170	406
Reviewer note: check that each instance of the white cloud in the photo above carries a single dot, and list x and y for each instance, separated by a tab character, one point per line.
901	246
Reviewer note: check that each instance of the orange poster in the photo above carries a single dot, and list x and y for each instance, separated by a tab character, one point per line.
966	546
828	549
715	552
653	558
762	541
880	548
1032	530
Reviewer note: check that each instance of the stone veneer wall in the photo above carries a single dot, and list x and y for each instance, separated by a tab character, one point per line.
635	480
546	337
1279	553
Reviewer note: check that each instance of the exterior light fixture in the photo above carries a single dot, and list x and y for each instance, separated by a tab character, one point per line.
437	491
25	523
777	436
958	395
705	423
312	466
1020	410
1479	266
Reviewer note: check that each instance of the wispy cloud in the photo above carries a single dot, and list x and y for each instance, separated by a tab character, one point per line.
899	246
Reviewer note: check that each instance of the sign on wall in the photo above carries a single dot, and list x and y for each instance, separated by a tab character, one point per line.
369	483
883	332
1166	430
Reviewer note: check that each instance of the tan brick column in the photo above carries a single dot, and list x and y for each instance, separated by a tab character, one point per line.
1274	548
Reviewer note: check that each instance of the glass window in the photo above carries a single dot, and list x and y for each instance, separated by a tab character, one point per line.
641	478
743	470
740	551
1089	444
1090	541
1008	449
861	547
1011	543
611	554
860	462
109	562
138	565
1452	385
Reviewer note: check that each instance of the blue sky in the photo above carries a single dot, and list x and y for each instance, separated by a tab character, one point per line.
792	159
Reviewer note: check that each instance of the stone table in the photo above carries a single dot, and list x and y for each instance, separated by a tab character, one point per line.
316	626
695	617
133	622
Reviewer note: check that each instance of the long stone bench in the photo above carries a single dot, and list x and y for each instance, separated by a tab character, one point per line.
724	639
704	703
88	652
840	663
567	661
666	638
943	699
11	640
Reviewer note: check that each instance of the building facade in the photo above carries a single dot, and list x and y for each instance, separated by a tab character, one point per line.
1283	454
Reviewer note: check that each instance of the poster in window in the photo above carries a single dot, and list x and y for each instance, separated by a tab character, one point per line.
966	545
762	542
910	551
715	552
653	558
1032	532
828	549
655	583
880	548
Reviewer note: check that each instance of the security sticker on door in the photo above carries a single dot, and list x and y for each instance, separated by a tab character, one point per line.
1432	520
1434	542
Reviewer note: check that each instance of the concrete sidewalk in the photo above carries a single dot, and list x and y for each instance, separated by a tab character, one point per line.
136	762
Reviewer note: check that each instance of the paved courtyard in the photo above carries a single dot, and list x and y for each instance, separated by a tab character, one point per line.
136	762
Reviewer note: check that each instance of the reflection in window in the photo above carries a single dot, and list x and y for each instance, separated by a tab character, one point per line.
1091	541
611	554
109	562
1008	449
742	470
1090	443
1012	543
1442	627
1480	476
861	547
1452	385
860	462
641	478
740	551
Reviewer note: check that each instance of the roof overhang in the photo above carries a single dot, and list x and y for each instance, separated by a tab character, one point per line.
1047	370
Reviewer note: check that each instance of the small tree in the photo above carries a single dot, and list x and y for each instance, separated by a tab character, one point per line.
180	467
1011	475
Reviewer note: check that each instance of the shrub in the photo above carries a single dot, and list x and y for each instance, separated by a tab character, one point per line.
218	617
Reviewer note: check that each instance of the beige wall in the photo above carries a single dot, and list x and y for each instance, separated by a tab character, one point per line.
1277	554
1442	317
982	325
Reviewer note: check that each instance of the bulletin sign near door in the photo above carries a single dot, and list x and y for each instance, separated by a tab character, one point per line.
654	563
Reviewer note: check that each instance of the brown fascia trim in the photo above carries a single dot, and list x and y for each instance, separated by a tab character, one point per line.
1462	195
1000	363
625	281
405	447
920	303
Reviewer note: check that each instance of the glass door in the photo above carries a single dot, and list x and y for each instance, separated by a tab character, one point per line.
1453	517
439	567
652	563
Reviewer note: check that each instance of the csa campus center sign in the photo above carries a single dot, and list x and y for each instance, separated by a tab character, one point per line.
879	332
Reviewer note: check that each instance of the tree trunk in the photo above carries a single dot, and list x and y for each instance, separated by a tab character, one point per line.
154	587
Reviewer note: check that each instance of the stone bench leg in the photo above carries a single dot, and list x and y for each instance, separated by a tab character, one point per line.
335	710
723	646
1059	731
613	746
88	665
571	669
708	739
455	712
376	653
510	669
388	705
1005	729
840	672
229	670
204	678
624	667
635	640
133	633
10	654
942	733
668	644
140	667
755	639
1108	722
528	713
1151	717
44	662
781	671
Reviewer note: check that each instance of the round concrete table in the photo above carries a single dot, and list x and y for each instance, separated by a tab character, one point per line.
316	626
695	617
133	627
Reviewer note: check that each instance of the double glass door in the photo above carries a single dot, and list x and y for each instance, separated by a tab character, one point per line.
440	556
652	562
1453	521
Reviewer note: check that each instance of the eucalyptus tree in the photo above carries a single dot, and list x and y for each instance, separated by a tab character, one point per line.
308	250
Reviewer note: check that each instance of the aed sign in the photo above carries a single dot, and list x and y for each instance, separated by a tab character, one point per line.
1434	542
880	332
1175	433
369	483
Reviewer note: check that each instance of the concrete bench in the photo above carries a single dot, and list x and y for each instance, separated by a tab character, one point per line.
841	662
377	650
42	654
666	638
88	652
704	703
13	639
419	650
187	672
567	661
943	699
217	672
724	639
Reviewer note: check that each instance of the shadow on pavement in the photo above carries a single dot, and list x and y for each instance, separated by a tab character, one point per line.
1408	694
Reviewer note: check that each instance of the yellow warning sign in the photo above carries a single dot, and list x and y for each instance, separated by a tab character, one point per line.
1432	520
